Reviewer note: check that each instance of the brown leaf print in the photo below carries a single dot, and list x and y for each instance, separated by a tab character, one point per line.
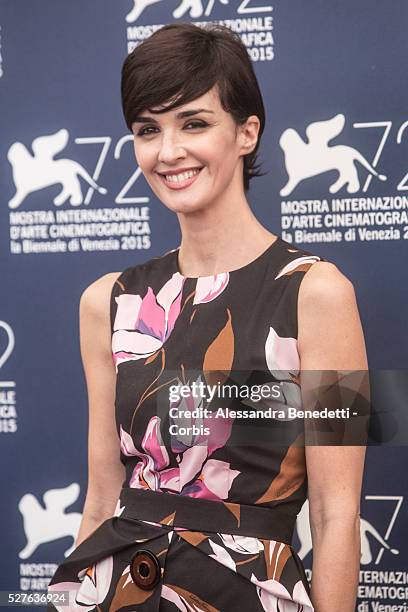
189	297
291	475
129	594
193	315
276	556
168	520
193	537
162	552
300	264
152	357
219	356
248	560
235	509
192	601
302	268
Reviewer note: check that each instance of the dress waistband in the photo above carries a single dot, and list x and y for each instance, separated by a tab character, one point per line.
197	514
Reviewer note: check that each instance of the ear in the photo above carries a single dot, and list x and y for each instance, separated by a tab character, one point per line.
249	134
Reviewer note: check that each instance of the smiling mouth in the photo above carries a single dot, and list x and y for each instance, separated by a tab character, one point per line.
182	180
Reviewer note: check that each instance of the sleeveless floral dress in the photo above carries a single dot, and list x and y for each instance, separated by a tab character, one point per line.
206	514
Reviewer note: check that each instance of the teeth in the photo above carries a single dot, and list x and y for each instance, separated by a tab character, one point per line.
183	176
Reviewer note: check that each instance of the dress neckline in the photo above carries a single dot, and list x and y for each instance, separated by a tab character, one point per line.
246	267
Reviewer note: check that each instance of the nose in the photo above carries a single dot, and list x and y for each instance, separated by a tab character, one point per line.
171	149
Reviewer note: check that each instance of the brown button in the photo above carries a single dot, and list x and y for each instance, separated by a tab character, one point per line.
145	569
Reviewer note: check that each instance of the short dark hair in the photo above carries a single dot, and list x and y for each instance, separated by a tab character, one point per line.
184	61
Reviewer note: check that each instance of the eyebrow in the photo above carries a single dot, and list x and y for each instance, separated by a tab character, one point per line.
181	115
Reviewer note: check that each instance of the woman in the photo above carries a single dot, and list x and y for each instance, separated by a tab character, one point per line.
184	510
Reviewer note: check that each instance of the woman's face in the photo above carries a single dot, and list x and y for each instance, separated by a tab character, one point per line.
192	154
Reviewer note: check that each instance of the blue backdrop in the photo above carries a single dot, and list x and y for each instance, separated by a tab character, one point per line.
75	206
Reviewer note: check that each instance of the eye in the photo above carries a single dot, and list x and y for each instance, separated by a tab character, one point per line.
150	130
146	131
197	124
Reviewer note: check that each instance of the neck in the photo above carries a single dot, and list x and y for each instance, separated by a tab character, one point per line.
224	236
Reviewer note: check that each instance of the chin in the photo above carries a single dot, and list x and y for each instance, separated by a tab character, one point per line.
185	206
185	202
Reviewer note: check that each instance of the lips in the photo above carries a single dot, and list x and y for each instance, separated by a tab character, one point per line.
180	184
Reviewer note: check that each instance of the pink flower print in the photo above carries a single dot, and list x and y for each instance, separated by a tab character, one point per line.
214	482
220	428
213	478
91	591
275	598
281	355
181	441
283	361
208	288
119	509
222	556
300	262
246	545
146	473
183	599
142	326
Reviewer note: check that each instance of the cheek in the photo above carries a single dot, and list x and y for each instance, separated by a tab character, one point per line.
137	153
215	156
220	151
223	163
142	157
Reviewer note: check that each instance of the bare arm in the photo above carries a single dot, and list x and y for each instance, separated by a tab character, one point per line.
331	338
105	471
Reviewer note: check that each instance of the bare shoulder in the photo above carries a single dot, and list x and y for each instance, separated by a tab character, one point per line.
324	282
95	299
324	292
330	334
325	295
